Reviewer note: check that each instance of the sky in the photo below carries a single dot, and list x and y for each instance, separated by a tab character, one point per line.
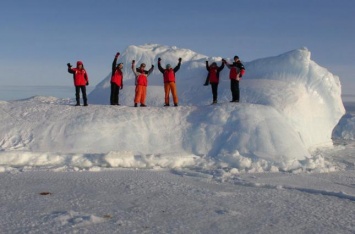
38	38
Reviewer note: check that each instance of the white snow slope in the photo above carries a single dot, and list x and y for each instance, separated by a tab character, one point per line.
289	107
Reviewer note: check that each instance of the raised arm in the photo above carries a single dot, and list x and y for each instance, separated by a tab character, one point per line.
150	70
161	69
227	64
207	66
114	63
220	68
178	66
70	70
133	69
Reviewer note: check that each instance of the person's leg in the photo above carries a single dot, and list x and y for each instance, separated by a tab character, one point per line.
77	95
144	95
234	90
83	90
113	94
167	92
137	97
214	91
237	91
174	93
118	96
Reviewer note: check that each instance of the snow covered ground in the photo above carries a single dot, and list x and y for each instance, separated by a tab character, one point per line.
281	161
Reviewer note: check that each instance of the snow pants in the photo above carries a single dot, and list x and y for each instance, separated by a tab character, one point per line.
170	86
115	91
235	90
77	94
214	87
141	94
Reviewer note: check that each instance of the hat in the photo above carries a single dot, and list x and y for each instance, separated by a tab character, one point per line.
79	63
168	66
236	57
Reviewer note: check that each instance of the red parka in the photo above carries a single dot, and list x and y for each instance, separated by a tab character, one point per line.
80	75
169	73
117	74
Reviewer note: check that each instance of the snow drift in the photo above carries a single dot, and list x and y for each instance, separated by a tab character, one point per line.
289	107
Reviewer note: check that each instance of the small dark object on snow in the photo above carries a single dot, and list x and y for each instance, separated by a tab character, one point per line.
45	193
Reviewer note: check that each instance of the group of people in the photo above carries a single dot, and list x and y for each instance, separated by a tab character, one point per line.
81	80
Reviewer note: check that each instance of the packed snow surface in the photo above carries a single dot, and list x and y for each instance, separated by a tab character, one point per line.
288	110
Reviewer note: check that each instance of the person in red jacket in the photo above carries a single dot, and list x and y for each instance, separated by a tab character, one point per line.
141	83
237	70
169	81
116	81
81	80
213	78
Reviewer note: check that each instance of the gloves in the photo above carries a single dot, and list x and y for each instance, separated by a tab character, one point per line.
205	84
240	76
224	61
179	60
69	65
118	54
133	61
87	83
159	59
152	66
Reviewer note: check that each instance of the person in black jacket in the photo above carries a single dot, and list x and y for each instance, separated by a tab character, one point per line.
237	70
116	81
213	78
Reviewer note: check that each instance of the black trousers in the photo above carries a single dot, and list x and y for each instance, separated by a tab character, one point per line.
235	90
115	91
214	87
77	94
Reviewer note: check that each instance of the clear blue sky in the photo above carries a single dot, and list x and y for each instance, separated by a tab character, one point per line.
39	37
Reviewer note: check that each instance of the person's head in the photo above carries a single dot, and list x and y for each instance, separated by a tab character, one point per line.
236	58
120	66
168	66
142	67
79	64
214	64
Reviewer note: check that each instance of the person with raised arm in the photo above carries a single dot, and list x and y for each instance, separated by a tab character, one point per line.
116	80
141	83
169	82
237	70
213	78
81	80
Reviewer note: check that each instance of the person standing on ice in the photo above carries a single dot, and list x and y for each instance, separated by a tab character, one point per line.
116	81
213	78
81	80
169	82
237	70
141	83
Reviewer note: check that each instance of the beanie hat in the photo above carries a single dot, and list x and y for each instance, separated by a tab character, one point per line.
236	57
168	66
79	63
